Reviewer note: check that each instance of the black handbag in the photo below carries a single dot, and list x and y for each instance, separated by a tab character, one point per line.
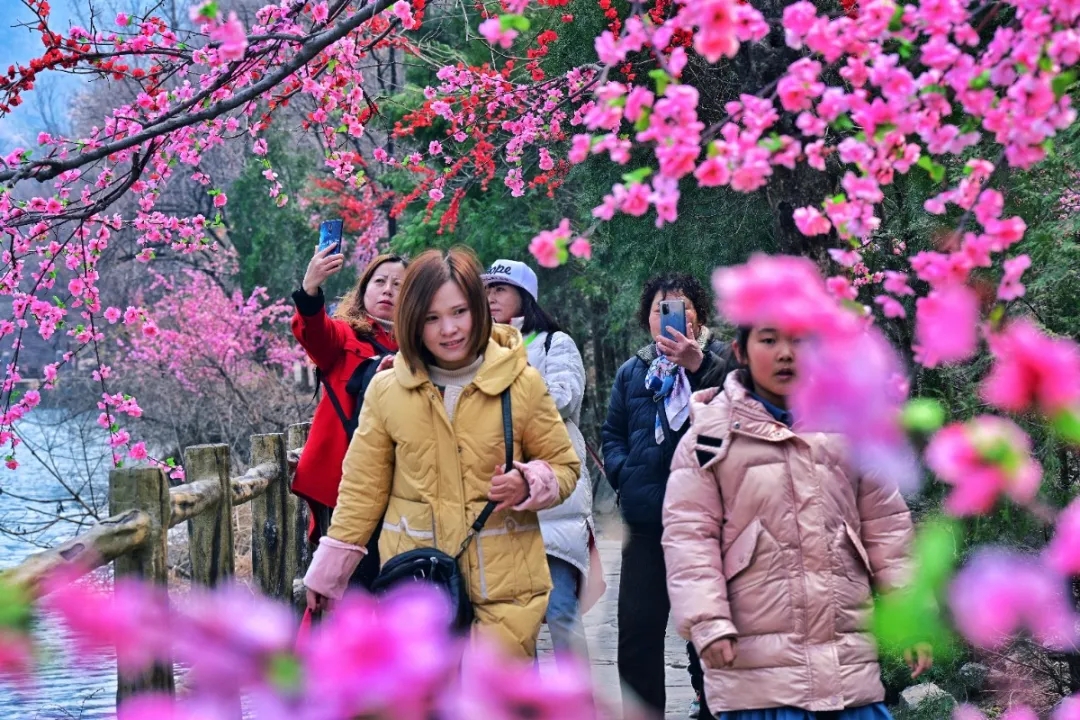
433	566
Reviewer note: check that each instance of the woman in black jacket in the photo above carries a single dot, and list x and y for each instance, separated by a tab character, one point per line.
642	429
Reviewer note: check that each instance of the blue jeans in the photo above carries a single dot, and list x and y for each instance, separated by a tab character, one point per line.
563	616
876	711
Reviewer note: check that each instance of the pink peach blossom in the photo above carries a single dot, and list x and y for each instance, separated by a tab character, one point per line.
946	324
1032	369
982	459
232	38
1000	592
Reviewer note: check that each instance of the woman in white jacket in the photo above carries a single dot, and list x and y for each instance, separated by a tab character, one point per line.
567	528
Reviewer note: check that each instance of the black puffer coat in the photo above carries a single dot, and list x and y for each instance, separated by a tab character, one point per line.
635	465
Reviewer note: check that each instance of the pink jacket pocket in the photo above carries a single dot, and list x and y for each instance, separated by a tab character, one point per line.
740	553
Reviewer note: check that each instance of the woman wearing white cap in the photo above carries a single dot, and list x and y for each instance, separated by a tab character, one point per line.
567	528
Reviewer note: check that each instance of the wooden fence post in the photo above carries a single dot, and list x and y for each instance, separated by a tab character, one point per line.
273	548
211	533
144	489
296	512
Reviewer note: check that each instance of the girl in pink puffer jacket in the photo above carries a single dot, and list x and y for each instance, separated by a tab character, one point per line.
772	544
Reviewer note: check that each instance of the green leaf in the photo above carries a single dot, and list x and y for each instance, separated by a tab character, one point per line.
1046	64
910	615
936	89
906	49
1062	83
285	672
170	462
1067	425
661	78
771	143
843	122
15	606
513	22
209	11
341	128
642	123
923	415
980	81
933	169
896	24
713	150
637	176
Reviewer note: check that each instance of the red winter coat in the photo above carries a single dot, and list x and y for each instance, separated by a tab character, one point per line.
337	351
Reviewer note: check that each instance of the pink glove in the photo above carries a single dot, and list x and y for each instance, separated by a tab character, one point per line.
543	485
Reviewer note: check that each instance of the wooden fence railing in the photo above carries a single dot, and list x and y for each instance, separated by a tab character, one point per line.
143	508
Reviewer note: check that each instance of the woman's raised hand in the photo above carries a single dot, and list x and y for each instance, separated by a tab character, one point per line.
683	351
322	266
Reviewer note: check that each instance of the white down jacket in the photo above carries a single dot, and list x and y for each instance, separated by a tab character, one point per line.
566	527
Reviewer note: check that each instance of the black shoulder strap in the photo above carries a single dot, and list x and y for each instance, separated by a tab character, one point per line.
508	439
355	387
547	343
337	405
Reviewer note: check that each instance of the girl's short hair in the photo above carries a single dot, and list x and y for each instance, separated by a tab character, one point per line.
351	306
426	274
686	285
533	317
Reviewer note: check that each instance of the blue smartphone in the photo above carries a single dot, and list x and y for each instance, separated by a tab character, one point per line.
330	236
673	316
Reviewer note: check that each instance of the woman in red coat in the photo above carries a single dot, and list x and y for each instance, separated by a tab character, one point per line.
362	328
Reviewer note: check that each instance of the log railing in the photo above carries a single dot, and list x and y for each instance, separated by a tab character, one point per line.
143	507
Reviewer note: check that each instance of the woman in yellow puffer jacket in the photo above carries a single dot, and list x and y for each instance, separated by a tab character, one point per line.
429	451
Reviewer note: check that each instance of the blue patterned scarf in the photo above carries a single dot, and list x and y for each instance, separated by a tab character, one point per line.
667	380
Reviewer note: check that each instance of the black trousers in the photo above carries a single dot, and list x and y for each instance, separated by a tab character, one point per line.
644	609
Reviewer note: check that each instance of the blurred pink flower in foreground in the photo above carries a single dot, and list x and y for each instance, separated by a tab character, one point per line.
1063	552
1018	712
1069	709
369	657
1000	592
1031	368
232	38
844	386
131	618
16	655
847	369
228	635
946	325
982	459
166	707
781	291
494	687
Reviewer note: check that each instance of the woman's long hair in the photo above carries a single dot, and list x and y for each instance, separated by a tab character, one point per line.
533	317
351	306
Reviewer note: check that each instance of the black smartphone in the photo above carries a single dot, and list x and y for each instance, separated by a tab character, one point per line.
673	316
330	236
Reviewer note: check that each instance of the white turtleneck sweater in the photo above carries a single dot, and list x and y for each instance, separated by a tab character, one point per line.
452	382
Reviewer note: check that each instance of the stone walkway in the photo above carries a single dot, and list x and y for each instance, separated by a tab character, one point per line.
601	627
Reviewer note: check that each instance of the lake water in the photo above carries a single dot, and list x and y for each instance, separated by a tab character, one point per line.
74	449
